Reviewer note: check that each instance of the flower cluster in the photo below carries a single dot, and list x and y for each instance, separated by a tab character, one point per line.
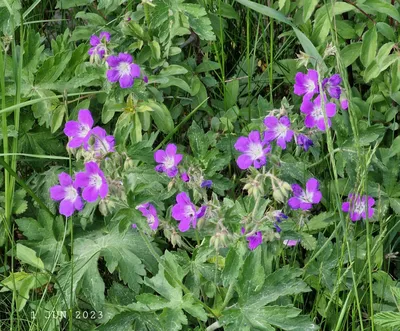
308	85
91	183
121	66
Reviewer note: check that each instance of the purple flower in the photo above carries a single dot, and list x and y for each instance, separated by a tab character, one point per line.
357	207
290	242
68	194
331	84
103	144
279	216
279	130
185	177
306	84
344	103
253	149
277	227
315	115
168	160
254	240
305	199
146	79
206	183
99	44
304	141
150	212
185	212
93	182
122	69
79	131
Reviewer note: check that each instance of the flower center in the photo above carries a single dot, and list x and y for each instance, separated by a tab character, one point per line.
307	197
189	211
359	207
83	130
124	68
310	85
150	220
317	112
255	151
102	146
281	130
169	162
96	181
71	193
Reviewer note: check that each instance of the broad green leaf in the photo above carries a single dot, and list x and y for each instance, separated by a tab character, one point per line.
369	46
173	69
57	117
384	7
323	17
308	8
162	117
175	81
28	256
386	30
206	66
350	53
22	283
199	20
388	319
155	49
233	264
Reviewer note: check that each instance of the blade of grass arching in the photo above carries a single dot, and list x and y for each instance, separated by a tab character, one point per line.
176	129
38	156
271	59
37	100
309	48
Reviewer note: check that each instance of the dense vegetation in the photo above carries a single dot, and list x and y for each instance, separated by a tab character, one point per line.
199	165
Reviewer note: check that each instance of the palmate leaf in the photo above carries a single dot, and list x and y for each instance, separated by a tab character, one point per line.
388	319
124	253
256	291
172	301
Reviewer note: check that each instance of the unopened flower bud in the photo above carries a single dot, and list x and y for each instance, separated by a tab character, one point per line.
176	239
278	196
128	164
302	59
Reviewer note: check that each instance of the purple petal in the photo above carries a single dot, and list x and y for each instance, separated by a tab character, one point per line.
244	161
317	196
334	91
285	121
346	206
294	203
185	177
171	172
242	144
330	109
78	205
321	124
85	117
312	185
65	179
66	208
297	190
254	136
94	40
344	104
75	142
113	61
183	199
271	122
57	192
178	212
201	211
159	156
125	57
81	179
126	81
135	70
171	150
307	107
90	193
103	190
335	79
105	35
184	225
71	128
305	205
112	75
